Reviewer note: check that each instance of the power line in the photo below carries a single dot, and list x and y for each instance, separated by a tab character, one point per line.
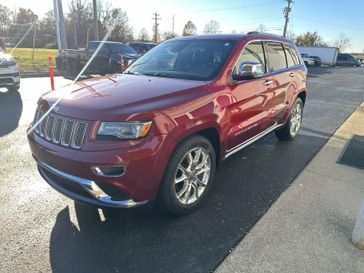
286	12
326	23
256	21
237	7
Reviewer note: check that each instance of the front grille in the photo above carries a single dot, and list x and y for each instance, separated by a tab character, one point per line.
6	80
61	130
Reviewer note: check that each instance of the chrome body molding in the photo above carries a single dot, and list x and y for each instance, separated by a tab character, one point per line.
97	196
251	140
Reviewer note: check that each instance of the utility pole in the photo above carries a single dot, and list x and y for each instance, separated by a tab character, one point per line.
58	31
173	25
62	25
156	18
286	12
96	25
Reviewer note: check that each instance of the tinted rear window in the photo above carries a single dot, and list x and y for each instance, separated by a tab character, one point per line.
292	58
276	56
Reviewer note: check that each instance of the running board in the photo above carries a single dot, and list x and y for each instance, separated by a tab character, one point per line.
251	140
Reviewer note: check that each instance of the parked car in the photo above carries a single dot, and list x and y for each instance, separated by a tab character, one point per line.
344	59
142	47
307	60
361	61
157	132
316	60
9	72
113	57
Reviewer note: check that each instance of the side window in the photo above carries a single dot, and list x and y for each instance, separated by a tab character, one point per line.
253	53
295	55
291	58
277	58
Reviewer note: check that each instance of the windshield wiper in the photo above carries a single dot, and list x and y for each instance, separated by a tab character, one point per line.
131	73
159	74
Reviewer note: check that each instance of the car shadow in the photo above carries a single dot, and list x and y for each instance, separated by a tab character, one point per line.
151	241
11	108
320	70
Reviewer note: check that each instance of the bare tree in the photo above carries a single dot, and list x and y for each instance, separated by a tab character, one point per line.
342	42
212	27
189	29
291	35
261	28
4	20
169	35
143	35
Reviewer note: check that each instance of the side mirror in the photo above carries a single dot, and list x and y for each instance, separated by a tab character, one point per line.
248	71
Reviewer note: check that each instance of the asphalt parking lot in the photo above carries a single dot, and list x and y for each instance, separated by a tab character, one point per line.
43	231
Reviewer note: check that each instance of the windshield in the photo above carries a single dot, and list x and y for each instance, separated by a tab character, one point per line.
191	59
111	47
123	49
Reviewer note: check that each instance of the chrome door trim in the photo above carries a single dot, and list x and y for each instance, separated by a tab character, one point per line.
246	143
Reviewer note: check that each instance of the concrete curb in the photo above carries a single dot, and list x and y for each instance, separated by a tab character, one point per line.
37	74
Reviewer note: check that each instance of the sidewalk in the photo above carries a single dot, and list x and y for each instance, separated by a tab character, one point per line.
308	229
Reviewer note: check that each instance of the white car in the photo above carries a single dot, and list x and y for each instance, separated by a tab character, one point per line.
9	72
307	60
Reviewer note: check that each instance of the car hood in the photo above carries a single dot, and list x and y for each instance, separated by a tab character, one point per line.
6	58
121	97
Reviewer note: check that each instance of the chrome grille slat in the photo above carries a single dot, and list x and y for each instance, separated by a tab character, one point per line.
68	132
49	128
78	135
61	130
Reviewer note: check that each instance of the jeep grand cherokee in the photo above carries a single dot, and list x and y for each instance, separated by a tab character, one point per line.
157	131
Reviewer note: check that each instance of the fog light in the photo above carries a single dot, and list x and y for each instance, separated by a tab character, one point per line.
109	171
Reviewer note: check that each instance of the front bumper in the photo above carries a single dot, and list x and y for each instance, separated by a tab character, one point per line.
82	190
9	77
144	167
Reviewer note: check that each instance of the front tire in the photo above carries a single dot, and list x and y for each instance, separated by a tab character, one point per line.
290	130
188	176
13	88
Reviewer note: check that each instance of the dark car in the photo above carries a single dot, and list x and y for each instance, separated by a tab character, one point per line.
142	47
112	57
157	132
317	60
344	59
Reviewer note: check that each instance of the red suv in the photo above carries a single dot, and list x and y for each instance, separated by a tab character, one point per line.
157	131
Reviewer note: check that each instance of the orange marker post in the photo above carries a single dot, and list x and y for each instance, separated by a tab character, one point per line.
51	73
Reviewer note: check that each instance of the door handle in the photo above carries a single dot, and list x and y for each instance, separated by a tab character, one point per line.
268	82
292	74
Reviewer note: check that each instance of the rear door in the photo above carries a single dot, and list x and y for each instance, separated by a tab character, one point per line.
250	98
277	67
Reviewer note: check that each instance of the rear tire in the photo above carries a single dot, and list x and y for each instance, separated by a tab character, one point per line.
290	130
188	176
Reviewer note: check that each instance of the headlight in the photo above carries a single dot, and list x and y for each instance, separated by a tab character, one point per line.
124	130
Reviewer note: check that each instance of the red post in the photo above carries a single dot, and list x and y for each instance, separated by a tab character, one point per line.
51	73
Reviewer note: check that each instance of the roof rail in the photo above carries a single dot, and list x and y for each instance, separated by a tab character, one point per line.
264	33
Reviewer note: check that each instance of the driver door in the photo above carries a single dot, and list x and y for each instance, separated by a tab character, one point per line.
251	98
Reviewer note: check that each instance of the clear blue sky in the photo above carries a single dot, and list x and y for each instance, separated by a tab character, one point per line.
328	18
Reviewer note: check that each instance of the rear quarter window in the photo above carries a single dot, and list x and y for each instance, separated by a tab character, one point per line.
292	56
277	58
